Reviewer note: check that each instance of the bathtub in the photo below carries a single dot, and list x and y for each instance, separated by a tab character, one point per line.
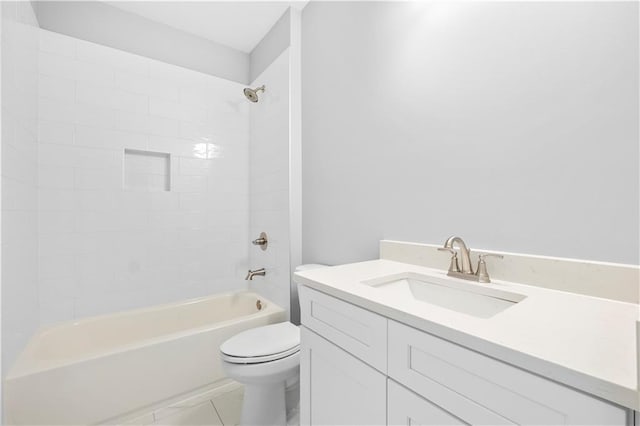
96	369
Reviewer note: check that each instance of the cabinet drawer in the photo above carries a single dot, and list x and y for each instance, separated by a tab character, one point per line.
407	408
356	330
436	368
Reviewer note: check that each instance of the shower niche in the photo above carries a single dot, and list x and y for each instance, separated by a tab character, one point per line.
147	170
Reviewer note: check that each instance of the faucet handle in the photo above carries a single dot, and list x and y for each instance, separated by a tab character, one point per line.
483	275
453	266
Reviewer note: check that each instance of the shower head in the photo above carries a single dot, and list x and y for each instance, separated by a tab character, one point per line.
252	94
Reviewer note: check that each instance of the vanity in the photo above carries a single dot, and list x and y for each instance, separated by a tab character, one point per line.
397	341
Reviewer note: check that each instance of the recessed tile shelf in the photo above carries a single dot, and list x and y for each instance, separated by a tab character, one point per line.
147	170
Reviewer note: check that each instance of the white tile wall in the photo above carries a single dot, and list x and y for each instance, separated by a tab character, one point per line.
269	181
19	178
104	248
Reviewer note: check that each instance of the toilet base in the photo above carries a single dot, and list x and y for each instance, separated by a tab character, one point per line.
265	389
264	405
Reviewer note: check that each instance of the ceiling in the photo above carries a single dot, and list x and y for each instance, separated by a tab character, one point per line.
237	24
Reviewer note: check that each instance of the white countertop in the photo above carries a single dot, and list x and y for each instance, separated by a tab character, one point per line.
585	342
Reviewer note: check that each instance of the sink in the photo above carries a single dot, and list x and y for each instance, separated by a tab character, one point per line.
479	300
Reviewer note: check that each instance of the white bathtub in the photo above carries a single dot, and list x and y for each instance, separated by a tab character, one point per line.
95	369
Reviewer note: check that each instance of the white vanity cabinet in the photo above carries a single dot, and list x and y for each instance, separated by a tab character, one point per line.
337	386
360	368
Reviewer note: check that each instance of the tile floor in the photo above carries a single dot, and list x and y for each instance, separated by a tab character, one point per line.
217	409
222	410
219	406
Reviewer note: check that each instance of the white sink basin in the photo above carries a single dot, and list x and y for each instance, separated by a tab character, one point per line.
479	300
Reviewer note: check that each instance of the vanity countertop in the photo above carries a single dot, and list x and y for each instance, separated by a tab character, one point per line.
585	342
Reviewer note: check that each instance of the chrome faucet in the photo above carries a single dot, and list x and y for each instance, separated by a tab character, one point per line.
466	272
464	253
250	274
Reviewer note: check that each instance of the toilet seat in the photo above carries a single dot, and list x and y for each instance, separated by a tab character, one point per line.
262	344
259	359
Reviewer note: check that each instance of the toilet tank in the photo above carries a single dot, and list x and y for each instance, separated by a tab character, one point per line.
309	266
293	293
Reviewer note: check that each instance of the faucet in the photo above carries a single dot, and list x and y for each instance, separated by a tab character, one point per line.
466	272
464	253
250	274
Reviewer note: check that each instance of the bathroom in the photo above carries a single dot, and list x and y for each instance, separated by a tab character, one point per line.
230	212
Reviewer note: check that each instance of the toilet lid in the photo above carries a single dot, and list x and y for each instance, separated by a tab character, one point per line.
263	344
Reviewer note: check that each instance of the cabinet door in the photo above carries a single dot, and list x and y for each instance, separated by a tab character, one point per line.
407	408
337	388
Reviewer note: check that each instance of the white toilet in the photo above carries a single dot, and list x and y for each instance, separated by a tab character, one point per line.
264	360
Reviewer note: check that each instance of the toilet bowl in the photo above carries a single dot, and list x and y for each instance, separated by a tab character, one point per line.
265	360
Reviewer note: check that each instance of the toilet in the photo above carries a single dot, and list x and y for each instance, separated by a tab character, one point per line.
265	360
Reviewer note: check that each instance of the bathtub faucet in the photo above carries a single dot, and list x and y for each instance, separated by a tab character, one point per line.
252	274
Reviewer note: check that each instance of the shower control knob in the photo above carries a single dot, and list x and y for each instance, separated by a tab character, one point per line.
261	241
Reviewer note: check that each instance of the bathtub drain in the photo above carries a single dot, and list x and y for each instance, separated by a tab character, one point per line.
259	304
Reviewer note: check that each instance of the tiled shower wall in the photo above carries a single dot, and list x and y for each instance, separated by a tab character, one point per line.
19	177
107	243
269	156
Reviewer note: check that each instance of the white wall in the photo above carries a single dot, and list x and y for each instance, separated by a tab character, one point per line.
103	247
514	125
19	177
271	46
269	171
105	24
295	156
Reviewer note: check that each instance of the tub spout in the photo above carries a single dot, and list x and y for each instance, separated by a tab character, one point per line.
251	274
